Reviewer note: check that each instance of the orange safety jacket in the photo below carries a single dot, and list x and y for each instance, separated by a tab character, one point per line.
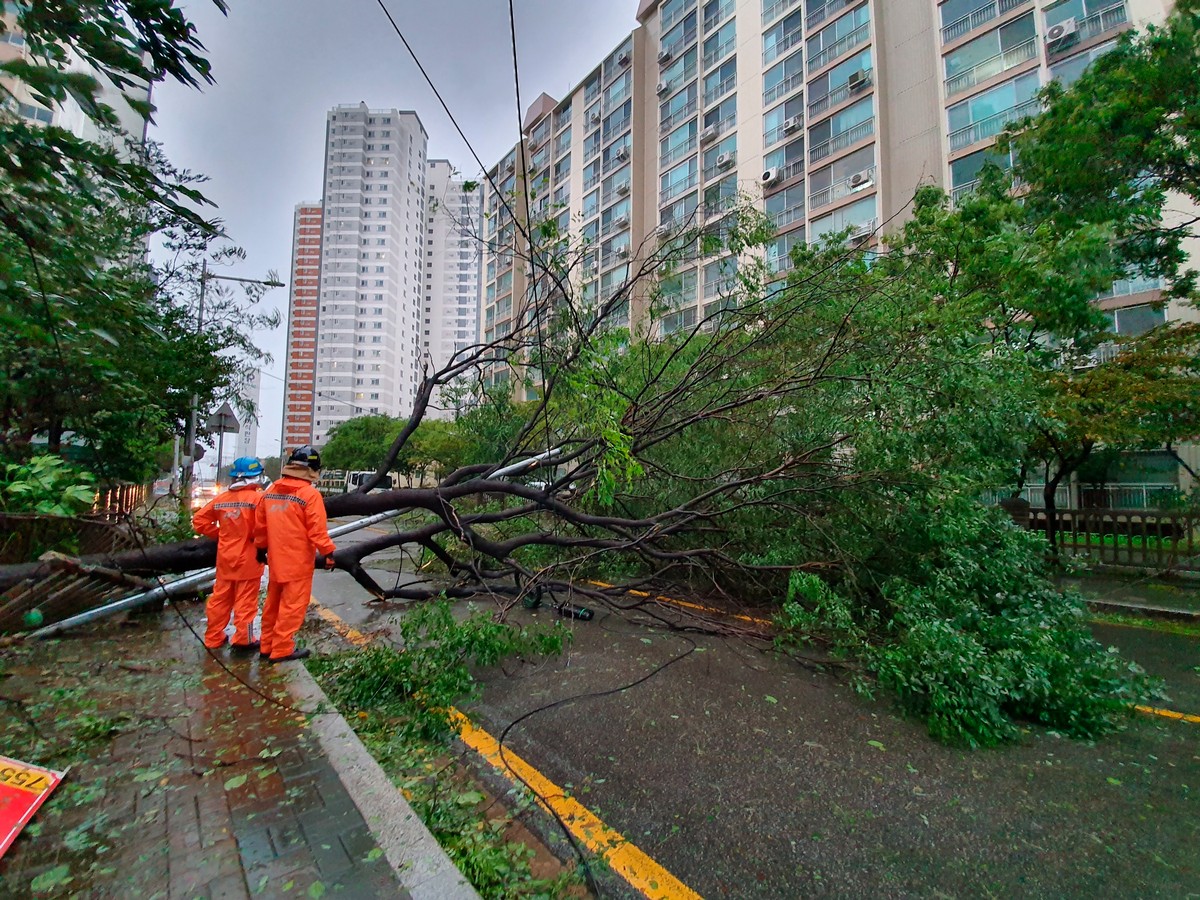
291	524
230	519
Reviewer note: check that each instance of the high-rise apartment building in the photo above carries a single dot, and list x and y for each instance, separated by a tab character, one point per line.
299	388
372	265
832	112
453	219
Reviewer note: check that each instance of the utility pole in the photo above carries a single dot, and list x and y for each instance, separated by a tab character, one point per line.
185	493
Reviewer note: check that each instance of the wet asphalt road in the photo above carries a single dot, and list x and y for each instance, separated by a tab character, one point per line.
747	775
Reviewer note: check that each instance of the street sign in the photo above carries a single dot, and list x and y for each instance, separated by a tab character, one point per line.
223	421
23	788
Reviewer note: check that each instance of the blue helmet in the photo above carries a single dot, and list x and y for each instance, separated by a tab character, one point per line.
246	467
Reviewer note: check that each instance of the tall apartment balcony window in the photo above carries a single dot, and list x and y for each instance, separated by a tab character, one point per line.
773	9
614	186
720	278
562	168
680	71
591	90
540	133
845	80
817	11
678	39
721	44
562	115
782	37
843	128
675	181
591	144
783	78
1138	284
852	174
839	38
1068	71
721	197
679	320
787	161
991	54
1092	18
680	213
562	143
615	218
960	17
716	11
673	11
779	251
617	153
617	92
860	217
782	121
678	144
720	118
618	61
987	114
678	109
720	158
965	172
618	121
720	82
785	208
679	289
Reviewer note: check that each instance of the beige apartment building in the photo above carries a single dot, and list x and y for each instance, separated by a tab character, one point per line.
830	113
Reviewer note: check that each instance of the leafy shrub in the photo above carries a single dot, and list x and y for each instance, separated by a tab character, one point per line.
974	638
47	485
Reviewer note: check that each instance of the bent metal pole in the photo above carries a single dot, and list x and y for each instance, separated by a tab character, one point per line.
189	583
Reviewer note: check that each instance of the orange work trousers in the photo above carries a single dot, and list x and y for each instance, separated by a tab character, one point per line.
238	597
283	614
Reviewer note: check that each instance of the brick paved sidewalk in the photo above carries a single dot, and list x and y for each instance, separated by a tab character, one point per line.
207	790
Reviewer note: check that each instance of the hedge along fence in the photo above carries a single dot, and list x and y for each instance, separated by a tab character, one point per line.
1165	541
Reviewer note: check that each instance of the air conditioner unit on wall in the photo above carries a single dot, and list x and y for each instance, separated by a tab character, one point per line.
662	87
770	176
792	124
663	231
665	55
622	188
709	134
621	222
595	117
858	80
621	153
725	160
860	180
1063	30
623	59
622	252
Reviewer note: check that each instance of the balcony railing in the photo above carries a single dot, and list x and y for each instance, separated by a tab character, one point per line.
772	11
991	67
676	188
677	117
591	181
614	224
958	193
607	197
981	16
1107	19
716	170
838	142
721	14
723	88
677	15
719	52
1127	287
785	43
789	216
615	129
780	131
720	206
720	287
612	101
836	96
724	125
839	47
791	170
824	11
992	125
852	184
677	46
678	152
781	90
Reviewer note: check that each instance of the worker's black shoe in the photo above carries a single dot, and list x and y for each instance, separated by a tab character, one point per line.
245	649
302	653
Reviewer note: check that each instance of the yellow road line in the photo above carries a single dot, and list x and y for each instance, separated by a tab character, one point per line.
672	601
1169	714
1150	710
625	858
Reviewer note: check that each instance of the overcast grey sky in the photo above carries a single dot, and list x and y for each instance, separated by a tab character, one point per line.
281	65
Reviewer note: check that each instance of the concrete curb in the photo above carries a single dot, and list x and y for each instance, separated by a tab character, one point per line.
414	854
1149	612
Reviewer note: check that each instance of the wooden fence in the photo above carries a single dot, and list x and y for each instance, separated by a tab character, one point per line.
1163	541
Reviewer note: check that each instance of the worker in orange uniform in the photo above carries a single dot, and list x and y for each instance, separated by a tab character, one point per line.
291	529
230	519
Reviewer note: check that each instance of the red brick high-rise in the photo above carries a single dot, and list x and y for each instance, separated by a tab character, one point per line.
299	381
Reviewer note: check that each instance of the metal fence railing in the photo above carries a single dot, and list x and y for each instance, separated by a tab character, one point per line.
1140	538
